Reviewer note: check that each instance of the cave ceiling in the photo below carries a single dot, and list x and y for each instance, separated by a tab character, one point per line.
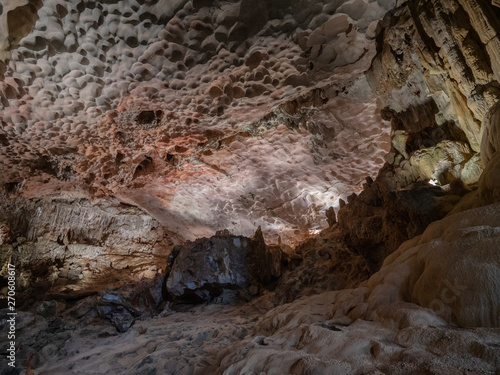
208	115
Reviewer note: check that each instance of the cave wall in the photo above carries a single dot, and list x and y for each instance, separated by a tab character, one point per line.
73	247
436	80
437	76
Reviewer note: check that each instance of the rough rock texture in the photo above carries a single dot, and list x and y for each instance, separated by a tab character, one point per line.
70	247
129	120
18	19
489	184
436	78
321	263
222	267
452	270
170	105
379	219
171	343
399	320
46	330
438	64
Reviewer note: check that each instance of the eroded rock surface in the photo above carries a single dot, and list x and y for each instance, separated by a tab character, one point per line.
399	321
381	218
396	321
489	184
170	105
70	247
435	76
225	267
323	262
134	126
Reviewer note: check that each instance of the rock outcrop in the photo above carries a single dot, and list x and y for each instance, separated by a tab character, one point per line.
323	262
438	67
381	218
489	184
397	321
436	79
376	327
222	267
72	247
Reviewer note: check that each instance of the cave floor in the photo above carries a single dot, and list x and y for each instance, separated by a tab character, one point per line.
216	339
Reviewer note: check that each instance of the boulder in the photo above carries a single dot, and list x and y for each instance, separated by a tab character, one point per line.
124	305
211	267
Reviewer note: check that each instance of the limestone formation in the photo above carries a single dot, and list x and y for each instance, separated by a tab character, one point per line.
169	105
380	325
142	143
379	219
489	184
396	321
72	248
222	267
321	263
439	83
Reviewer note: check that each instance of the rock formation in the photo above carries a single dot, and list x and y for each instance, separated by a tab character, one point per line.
169	106
222	267
71	247
142	143
435	81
